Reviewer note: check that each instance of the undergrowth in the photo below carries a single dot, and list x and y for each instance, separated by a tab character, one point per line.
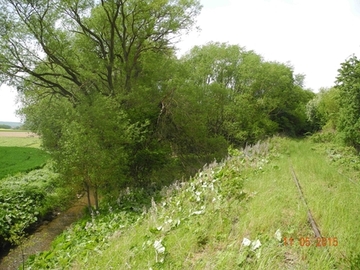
26	199
194	206
236	214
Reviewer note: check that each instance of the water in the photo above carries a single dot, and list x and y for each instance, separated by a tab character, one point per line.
41	239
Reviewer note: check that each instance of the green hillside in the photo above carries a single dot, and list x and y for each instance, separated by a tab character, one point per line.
238	214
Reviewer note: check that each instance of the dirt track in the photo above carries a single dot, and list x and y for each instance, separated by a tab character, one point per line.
17	134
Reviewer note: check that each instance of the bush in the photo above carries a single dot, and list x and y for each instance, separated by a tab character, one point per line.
19	210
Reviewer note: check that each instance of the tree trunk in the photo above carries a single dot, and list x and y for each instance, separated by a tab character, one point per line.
96	198
87	187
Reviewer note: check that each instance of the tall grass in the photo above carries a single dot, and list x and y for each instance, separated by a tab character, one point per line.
236	215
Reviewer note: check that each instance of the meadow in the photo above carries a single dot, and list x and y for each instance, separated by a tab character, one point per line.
19	138
242	213
14	159
20	152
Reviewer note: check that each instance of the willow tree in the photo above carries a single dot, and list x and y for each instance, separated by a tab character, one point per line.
71	56
72	47
247	98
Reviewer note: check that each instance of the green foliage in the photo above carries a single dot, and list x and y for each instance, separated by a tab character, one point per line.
234	213
83	239
116	108
99	97
25	199
20	159
323	137
90	143
323	110
193	209
246	98
19	210
348	83
93	141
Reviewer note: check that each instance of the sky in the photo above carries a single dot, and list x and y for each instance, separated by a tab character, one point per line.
314	36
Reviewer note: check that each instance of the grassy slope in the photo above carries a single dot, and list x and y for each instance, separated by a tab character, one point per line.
201	224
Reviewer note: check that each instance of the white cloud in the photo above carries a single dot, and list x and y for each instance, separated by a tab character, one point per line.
8	104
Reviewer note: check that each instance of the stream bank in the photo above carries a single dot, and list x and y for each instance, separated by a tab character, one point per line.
41	239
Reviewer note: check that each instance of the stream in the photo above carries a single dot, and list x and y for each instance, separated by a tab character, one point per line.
41	239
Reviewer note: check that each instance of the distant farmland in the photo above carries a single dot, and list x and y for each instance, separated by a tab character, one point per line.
19	152
19	138
20	159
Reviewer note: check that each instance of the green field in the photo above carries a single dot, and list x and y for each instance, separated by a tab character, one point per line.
20	159
27	141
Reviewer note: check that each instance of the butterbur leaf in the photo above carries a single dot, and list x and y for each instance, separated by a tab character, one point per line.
159	247
246	242
278	235
255	245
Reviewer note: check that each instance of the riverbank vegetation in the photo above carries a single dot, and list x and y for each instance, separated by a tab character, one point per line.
122	116
235	214
116	108
28	199
30	191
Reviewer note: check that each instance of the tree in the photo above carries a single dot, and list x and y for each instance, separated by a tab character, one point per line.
83	69
323	110
348	83
247	98
72	47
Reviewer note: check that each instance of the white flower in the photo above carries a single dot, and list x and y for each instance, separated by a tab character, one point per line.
255	245
278	235
246	242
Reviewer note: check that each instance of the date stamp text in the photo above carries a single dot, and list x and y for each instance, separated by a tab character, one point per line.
310	241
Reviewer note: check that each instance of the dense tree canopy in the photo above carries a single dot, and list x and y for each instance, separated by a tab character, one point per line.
248	98
323	109
101	84
348	83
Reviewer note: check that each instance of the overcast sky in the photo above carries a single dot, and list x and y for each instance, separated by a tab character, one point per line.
314	36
